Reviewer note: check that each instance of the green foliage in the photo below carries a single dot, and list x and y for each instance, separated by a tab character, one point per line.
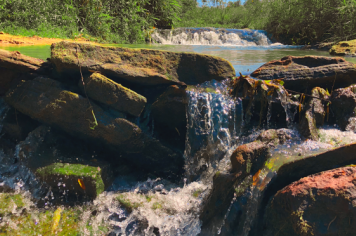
118	21
290	21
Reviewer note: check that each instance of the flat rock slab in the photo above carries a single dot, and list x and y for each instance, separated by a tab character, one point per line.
104	90
138	66
48	102
302	74
320	204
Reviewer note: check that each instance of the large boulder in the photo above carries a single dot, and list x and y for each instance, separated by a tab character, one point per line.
138	66
15	66
47	101
320	204
344	48
104	90
343	108
301	74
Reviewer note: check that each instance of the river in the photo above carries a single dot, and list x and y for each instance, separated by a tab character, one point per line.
215	119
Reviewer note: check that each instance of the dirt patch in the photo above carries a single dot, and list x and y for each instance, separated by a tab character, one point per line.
12	40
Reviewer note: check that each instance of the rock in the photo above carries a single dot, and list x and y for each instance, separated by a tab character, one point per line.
246	160
15	67
104	90
169	116
247	157
301	74
295	170
47	101
73	179
16	126
343	105
313	114
320	204
143	67
274	136
344	48
264	102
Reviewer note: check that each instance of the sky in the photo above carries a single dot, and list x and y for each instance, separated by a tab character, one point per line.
242	1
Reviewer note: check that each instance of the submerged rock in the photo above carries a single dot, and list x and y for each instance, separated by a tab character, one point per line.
143	67
301	74
47	101
104	90
313	114
344	48
274	136
320	204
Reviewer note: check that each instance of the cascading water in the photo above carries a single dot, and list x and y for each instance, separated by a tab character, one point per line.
212	36
213	120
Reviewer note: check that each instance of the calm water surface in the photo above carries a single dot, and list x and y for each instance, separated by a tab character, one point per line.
244	59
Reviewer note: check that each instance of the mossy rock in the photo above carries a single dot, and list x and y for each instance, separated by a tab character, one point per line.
104	90
344	48
144	67
10	202
75	178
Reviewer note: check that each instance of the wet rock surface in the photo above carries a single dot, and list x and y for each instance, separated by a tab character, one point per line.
313	114
301	74
320	204
246	160
343	107
139	66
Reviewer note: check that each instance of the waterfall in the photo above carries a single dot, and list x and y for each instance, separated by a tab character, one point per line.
213	122
212	36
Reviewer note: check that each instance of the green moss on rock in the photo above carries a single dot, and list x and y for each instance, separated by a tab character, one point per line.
344	48
70	175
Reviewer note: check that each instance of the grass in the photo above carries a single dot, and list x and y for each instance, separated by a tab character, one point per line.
31	221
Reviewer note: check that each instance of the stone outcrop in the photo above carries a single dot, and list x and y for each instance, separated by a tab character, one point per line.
48	102
302	74
313	114
320	204
344	48
142	67
104	90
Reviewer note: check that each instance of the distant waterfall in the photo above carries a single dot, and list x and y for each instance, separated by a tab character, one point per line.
212	36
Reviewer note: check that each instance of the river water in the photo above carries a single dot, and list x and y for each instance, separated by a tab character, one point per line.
214	129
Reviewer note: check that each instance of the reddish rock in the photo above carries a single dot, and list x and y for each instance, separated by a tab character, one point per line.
320	204
304	73
247	156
